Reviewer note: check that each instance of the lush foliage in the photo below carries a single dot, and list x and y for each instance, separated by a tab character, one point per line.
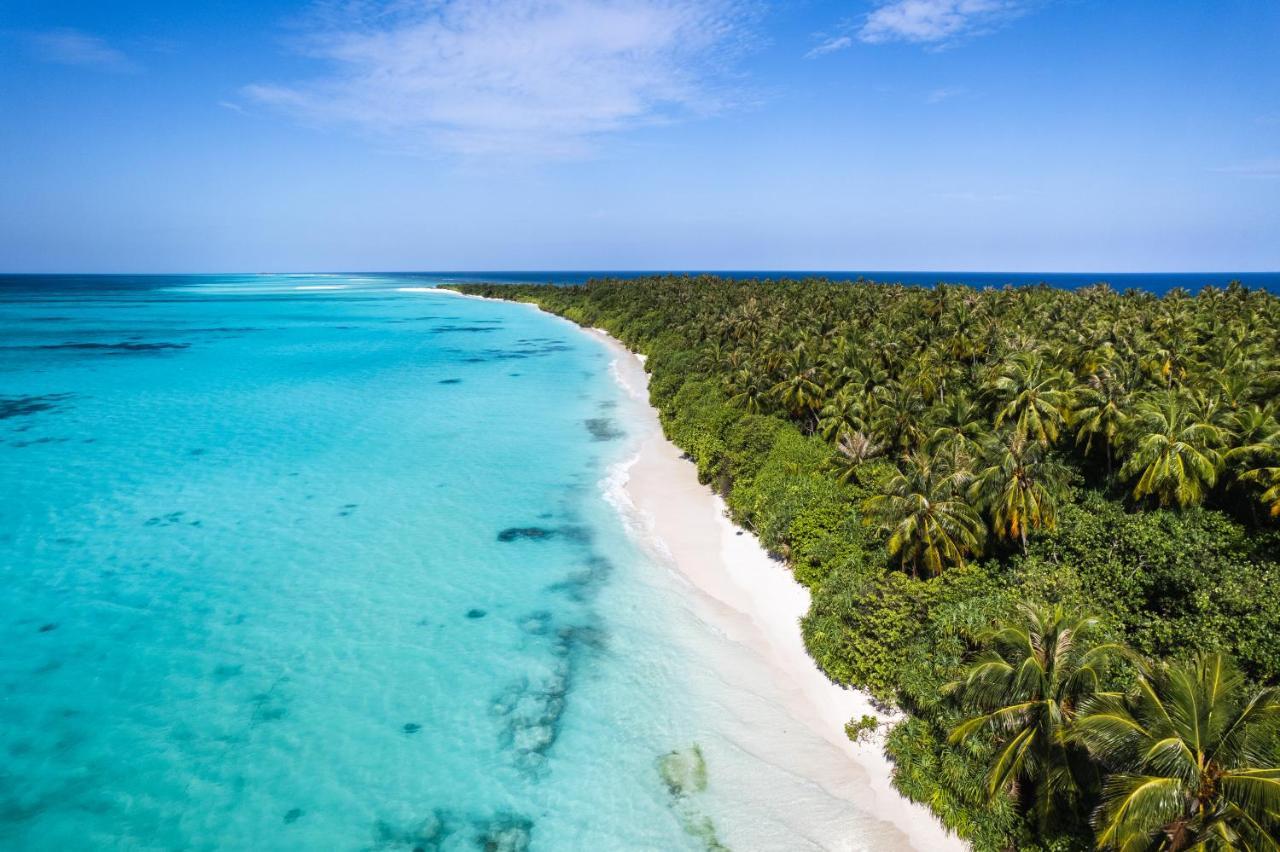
929	460
1026	687
1193	757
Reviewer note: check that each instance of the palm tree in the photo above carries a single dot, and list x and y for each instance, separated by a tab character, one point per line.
1030	395
843	413
898	415
1176	458
1256	435
1020	486
1099	410
1269	479
958	421
798	390
930	526
1193	754
748	390
853	448
1025	688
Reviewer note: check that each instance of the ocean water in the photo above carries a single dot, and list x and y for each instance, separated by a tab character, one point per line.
329	562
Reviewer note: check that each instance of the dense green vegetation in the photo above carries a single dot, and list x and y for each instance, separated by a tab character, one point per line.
1043	523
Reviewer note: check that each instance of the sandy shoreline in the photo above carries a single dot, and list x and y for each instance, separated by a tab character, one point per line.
758	605
754	602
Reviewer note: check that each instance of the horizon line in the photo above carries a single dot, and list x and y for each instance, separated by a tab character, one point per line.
652	271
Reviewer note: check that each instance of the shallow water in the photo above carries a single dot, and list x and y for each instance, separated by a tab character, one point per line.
321	562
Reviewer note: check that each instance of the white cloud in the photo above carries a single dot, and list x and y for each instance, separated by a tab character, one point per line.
527	78
936	21
72	47
830	45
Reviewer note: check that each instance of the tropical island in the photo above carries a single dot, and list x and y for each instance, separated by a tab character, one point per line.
1041	523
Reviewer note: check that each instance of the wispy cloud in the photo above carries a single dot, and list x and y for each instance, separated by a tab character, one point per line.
1258	169
527	78
830	45
937	22
73	47
937	96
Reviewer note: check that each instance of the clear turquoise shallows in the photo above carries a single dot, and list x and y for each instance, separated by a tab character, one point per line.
325	562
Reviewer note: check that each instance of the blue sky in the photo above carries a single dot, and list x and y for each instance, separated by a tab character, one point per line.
1039	135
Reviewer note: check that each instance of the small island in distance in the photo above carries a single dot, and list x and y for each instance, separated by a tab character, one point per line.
1041	522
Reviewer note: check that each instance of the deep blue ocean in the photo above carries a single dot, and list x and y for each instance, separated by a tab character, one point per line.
337	562
1153	282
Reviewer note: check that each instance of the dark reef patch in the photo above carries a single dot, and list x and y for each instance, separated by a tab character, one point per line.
529	533
49	667
505	832
37	441
521	349
584	585
684	772
570	532
269	706
165	520
124	346
531	712
578	637
293	815
25	406
474	614
603	429
402	320
227	671
429	835
532	717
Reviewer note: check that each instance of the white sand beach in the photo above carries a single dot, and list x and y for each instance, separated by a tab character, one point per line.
754	601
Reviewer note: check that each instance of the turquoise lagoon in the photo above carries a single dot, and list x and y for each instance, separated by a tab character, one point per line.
326	562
